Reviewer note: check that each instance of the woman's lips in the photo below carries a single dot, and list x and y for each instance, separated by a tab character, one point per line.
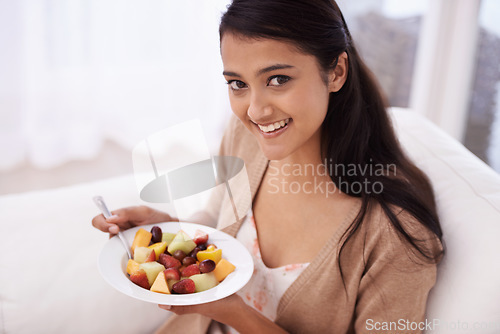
268	132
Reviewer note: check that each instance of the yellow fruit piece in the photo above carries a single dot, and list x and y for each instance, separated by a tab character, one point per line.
214	255
132	266
142	239
159	248
223	268
141	254
160	284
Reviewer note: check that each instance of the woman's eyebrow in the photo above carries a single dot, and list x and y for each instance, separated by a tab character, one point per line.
261	71
273	68
231	74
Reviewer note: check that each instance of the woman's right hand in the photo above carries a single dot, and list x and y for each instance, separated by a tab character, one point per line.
128	217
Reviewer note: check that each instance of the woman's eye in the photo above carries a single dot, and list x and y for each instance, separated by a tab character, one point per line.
278	80
236	84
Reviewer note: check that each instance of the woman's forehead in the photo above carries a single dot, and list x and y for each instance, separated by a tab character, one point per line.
237	47
254	55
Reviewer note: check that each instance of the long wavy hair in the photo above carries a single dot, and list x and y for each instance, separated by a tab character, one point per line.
357	130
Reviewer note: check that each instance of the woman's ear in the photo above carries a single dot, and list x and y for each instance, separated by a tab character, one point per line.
338	75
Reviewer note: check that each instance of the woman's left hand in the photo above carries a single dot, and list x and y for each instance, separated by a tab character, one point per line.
222	310
232	311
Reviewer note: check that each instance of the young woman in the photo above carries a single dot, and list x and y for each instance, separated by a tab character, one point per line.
347	246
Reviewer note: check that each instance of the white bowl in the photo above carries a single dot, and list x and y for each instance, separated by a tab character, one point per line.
112	263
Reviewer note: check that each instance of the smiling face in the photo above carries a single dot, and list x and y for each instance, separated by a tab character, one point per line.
279	93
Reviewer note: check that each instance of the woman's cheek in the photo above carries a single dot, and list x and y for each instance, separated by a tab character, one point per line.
238	108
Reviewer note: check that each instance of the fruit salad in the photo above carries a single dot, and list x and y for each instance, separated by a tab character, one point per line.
175	263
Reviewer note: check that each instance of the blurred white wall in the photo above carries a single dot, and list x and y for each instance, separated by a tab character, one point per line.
85	78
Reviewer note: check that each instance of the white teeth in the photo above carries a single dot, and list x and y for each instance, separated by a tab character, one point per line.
274	126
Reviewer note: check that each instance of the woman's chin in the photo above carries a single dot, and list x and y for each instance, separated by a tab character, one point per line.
273	154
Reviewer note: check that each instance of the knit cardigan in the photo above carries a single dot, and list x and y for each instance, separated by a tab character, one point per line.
382	286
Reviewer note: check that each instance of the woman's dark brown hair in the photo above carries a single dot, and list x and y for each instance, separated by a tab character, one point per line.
357	131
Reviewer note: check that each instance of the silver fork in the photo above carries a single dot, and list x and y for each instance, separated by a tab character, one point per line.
99	201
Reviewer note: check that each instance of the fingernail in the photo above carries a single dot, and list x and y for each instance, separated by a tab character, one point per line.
114	229
112	218
166	307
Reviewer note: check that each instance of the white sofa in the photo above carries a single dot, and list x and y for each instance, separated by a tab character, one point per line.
49	282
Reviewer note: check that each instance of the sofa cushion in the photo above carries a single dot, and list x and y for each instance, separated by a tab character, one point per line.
467	292
49	281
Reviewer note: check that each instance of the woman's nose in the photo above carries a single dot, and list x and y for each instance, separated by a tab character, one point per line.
259	107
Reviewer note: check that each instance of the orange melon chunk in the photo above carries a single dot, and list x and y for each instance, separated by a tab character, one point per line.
142	239
160	284
132	266
223	268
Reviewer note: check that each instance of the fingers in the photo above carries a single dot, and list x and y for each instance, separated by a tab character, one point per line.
179	310
106	225
122	219
141	215
128	217
135	214
118	220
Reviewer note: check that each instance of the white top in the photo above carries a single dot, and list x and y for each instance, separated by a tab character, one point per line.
267	285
